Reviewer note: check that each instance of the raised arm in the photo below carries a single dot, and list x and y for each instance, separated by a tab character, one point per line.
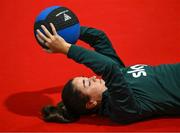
100	42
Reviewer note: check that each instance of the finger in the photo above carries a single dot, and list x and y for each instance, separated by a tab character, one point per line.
42	36
53	28
46	31
47	44
39	39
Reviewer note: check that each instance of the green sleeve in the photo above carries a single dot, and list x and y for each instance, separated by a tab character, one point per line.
98	63
121	99
100	42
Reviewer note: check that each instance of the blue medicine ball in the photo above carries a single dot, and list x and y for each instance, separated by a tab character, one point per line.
64	20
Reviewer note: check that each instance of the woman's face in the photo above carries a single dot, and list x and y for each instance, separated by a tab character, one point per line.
92	87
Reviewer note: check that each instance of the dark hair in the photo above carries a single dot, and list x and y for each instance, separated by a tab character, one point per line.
69	110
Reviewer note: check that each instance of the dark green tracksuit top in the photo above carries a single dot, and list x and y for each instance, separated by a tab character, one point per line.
134	93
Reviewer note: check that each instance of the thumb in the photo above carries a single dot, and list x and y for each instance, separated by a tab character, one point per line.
48	50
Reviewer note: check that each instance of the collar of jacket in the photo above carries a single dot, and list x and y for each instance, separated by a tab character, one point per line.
104	108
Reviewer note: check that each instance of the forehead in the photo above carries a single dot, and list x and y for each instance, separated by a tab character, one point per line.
78	83
77	80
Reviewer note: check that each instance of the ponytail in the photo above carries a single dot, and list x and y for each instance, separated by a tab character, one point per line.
58	114
73	105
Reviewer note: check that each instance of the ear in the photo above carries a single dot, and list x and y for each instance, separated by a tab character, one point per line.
91	104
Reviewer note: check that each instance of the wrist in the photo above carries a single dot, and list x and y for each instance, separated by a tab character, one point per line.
67	47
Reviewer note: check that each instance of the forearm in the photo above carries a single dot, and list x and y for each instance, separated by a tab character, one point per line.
93	37
100	42
98	63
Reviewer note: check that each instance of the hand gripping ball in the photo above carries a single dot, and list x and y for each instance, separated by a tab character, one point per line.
64	20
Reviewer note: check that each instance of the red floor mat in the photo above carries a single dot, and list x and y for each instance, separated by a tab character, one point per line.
142	31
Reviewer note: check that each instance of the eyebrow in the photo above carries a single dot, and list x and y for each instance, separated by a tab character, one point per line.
84	83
